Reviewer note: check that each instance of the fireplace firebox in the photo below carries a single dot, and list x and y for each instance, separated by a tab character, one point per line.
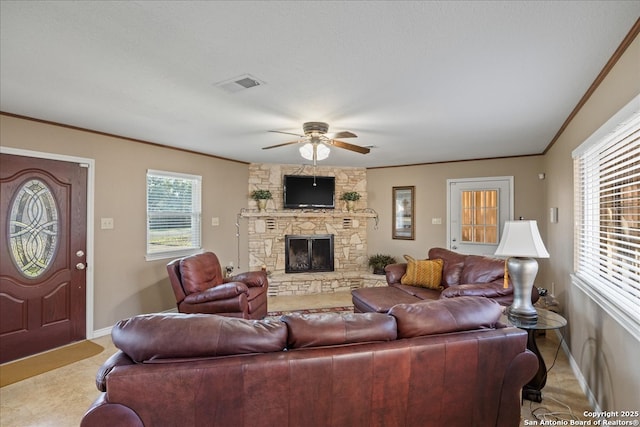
308	253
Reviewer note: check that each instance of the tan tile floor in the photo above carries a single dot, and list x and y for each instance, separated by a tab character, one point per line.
562	396
59	398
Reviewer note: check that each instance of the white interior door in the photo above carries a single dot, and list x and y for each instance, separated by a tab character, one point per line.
478	209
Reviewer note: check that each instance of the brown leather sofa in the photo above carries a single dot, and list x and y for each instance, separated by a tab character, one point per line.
200	287
462	275
440	363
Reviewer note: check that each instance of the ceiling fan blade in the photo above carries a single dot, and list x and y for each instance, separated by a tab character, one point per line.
282	145
287	133
346	145
343	134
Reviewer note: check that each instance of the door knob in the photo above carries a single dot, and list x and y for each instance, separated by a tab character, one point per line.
80	266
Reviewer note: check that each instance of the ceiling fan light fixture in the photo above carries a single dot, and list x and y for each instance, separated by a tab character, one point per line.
321	151
306	151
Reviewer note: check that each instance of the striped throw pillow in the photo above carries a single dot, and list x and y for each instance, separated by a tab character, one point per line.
424	273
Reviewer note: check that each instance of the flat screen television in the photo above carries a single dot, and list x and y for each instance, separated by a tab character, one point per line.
303	191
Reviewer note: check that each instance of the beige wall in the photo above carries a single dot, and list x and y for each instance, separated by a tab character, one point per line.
431	199
124	283
605	352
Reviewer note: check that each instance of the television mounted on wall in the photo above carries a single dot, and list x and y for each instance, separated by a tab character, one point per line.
305	191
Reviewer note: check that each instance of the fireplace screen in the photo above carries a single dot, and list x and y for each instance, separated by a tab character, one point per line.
308	253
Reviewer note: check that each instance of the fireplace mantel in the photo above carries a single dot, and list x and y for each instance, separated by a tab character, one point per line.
250	213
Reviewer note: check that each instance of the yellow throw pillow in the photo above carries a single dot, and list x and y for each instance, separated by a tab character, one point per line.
424	273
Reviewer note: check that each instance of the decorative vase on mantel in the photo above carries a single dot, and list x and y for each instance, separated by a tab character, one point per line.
350	197
351	205
261	197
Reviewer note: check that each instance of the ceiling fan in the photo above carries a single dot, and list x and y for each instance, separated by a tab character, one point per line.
317	140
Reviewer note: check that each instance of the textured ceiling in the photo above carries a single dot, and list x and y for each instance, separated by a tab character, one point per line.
420	82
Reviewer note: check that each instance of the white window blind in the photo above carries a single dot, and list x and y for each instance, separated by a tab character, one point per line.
607	216
173	214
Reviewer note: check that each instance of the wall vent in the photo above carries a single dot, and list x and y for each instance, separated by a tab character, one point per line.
272	290
237	84
354	284
347	223
270	224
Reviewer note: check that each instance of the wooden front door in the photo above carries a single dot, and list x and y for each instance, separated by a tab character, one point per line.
43	209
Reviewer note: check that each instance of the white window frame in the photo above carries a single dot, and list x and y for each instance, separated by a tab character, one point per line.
194	246
607	251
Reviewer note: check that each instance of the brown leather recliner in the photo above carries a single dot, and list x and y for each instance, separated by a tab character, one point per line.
200	287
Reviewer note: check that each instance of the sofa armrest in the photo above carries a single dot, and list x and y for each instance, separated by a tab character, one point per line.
253	279
519	372
117	359
488	290
394	272
102	413
220	292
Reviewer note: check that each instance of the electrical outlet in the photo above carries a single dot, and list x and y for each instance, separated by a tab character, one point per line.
436	221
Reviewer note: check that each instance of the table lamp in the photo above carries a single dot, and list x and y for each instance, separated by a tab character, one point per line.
521	243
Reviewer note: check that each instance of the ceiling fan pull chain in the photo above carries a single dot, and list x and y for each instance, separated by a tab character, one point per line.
315	159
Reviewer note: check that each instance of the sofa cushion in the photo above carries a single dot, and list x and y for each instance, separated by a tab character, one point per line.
416	291
175	335
453	264
381	299
315	330
200	272
480	269
425	273
447	315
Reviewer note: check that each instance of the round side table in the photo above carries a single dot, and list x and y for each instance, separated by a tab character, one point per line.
547	320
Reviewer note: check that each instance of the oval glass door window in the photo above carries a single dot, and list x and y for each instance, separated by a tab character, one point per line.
33	228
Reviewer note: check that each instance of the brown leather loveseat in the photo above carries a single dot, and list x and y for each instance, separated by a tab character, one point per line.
427	364
462	275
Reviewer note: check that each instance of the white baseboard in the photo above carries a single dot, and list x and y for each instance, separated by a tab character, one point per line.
107	331
101	332
578	373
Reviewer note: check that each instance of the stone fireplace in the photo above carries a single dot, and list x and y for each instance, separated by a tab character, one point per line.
306	254
268	232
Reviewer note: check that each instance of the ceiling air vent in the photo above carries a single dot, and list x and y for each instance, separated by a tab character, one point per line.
237	84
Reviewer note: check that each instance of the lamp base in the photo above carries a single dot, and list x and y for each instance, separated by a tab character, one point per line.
521	318
523	273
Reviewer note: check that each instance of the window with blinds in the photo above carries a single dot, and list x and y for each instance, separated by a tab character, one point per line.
173	214
607	216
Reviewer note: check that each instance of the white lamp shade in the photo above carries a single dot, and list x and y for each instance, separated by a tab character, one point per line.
322	151
521	239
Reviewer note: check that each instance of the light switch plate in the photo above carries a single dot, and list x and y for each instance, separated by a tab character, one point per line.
106	223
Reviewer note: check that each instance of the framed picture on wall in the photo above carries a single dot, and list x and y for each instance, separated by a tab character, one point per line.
403	213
